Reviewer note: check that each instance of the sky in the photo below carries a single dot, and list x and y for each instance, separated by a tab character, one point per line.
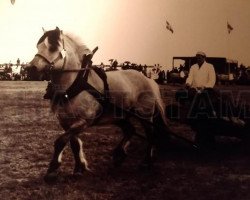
130	30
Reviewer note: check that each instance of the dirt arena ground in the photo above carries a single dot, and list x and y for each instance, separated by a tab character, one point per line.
28	130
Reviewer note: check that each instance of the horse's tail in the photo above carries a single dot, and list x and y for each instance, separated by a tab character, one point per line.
164	129
160	118
160	121
161	108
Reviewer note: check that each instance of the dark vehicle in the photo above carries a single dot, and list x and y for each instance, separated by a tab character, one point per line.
4	73
225	69
243	77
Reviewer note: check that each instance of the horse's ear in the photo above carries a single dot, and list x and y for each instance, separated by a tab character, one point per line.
44	31
46	42
58	29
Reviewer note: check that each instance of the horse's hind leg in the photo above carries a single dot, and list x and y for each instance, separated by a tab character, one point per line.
81	164
55	163
120	153
149	131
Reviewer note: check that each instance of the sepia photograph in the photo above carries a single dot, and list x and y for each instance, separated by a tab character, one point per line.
125	99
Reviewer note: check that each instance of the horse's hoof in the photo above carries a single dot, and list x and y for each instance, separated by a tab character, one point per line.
81	169
145	166
119	156
51	177
77	175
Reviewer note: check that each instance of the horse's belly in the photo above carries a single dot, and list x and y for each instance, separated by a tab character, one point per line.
106	118
83	106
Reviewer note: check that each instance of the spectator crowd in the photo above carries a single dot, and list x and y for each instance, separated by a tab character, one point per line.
177	75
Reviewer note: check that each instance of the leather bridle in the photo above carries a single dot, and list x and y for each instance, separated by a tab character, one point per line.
51	65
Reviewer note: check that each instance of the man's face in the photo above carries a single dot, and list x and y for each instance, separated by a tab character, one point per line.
200	59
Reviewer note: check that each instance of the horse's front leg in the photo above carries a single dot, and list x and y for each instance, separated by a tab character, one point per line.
55	163
81	163
59	145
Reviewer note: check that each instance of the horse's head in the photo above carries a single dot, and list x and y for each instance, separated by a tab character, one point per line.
51	52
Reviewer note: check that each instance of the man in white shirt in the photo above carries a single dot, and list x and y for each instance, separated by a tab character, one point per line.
201	78
201	74
200	83
199	90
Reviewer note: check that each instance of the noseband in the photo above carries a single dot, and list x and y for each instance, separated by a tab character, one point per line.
51	65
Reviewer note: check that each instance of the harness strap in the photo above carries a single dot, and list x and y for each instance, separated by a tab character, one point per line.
80	84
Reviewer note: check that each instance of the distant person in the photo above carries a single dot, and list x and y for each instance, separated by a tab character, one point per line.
161	77
154	73
175	70
8	71
102	66
8	68
168	76
139	68
114	65
144	70
18	61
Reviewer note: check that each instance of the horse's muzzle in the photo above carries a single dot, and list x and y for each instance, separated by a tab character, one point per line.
37	73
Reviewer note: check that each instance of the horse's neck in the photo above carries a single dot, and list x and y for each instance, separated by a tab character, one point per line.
74	55
63	80
96	81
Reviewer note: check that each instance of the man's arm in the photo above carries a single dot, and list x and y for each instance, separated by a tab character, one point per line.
211	77
190	77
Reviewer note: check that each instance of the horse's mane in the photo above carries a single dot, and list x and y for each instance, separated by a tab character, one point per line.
54	36
81	46
75	38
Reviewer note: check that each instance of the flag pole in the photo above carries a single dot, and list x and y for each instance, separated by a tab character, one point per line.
170	28
229	30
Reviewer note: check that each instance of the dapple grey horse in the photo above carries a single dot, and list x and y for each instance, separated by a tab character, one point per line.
131	95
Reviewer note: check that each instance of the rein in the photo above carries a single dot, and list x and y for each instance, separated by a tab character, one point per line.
84	66
69	70
81	82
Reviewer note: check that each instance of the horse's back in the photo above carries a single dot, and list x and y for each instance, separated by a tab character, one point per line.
130	88
127	80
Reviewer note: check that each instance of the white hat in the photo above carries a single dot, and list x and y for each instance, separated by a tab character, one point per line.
201	53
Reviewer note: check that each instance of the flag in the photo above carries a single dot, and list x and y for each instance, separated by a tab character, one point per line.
229	28
169	27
